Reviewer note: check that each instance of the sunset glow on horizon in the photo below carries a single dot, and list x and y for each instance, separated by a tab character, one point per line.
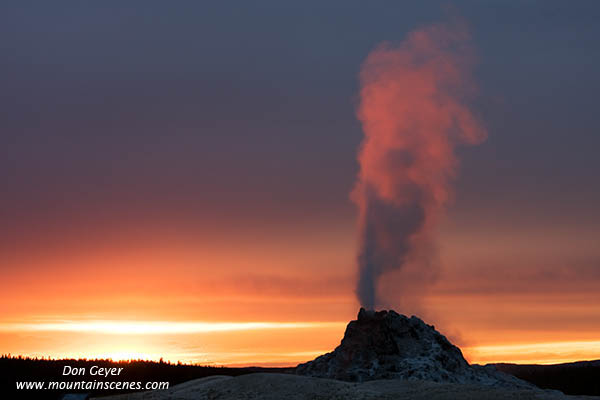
155	327
98	337
270	319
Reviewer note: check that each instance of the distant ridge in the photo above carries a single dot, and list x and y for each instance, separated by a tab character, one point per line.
574	378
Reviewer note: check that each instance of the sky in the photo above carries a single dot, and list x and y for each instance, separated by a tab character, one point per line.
189	166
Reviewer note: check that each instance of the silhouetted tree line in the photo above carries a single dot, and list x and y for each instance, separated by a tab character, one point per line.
19	368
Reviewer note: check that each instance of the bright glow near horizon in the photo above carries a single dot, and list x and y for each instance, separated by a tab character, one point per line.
535	353
241	343
156	327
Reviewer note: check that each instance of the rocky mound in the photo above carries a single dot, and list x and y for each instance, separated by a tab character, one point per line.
387	345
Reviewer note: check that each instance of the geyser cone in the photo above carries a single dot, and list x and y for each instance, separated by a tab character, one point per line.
387	345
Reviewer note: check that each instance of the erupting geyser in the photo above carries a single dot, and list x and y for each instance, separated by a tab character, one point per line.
413	112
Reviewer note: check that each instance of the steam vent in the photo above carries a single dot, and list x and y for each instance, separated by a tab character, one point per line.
388	345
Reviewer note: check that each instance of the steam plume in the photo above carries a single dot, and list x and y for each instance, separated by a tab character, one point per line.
413	112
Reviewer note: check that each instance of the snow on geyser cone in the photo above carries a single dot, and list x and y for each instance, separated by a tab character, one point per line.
413	113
